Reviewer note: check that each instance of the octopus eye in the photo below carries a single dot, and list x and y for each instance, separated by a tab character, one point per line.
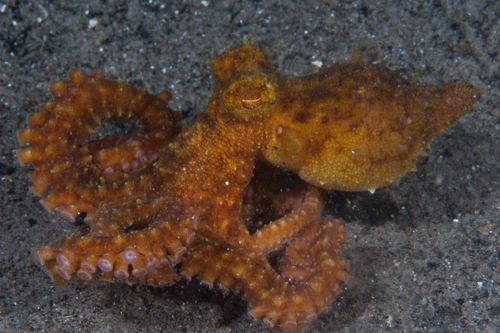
250	94
251	100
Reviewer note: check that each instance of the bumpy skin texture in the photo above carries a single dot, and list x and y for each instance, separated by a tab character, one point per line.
78	173
165	202
358	126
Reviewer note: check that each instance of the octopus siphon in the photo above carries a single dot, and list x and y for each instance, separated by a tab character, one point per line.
215	199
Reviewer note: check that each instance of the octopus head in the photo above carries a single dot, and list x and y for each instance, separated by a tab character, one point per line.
248	83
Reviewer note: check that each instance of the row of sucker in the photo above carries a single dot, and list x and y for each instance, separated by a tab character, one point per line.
76	172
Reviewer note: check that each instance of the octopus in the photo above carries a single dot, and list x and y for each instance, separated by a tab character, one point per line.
219	199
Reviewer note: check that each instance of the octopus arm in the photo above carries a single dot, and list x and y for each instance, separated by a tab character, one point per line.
146	257
306	206
311	275
76	170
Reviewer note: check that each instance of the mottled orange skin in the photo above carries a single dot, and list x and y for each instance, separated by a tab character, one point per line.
359	126
187	197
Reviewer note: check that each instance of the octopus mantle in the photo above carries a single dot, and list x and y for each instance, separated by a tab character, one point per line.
206	200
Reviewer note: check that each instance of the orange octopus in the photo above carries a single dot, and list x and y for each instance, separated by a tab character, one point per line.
164	202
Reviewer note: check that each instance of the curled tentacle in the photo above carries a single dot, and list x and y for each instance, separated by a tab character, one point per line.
286	306
75	171
309	270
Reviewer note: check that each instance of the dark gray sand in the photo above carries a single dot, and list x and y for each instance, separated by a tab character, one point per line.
424	252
